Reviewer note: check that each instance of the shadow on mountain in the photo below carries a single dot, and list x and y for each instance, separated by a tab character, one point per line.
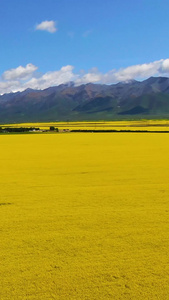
135	111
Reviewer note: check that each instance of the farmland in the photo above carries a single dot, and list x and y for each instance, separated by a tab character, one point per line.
84	216
148	125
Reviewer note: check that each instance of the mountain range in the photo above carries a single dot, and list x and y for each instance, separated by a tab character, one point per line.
124	100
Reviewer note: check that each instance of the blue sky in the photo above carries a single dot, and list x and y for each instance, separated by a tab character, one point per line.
45	43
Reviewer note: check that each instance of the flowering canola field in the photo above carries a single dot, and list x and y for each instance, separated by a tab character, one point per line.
84	216
148	125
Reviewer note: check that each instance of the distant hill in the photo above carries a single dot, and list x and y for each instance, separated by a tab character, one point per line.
124	100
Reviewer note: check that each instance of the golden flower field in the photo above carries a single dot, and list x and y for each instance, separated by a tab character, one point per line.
84	216
149	125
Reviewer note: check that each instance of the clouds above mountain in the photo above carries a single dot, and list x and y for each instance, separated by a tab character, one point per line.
49	26
19	73
20	78
144	70
65	74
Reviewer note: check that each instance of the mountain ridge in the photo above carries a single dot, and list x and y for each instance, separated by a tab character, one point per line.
132	99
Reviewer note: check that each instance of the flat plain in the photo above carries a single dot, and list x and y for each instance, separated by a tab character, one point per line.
84	216
148	125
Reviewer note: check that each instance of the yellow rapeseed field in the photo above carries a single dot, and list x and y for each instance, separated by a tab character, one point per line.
149	125
84	216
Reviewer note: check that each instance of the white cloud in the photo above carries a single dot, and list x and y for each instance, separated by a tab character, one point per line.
9	87
49	26
65	74
92	76
139	71
165	66
19	73
25	77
